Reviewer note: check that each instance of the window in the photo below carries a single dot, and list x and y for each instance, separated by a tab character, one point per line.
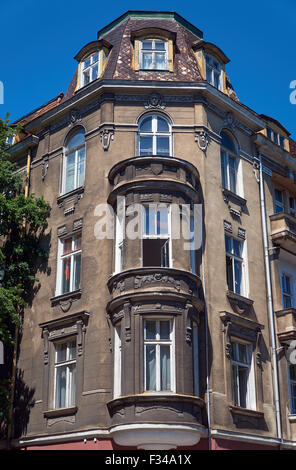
275	137
74	162
282	142
292	383
242	376
158	355
292	206
65	373
154	136
213	72
195	359
286	291
153	54
279	201
117	361
119	237
156	236
228	163
234	264
90	69
69	268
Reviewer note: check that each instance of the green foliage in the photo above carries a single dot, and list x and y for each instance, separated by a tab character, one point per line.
22	224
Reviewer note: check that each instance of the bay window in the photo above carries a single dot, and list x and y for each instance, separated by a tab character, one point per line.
159	361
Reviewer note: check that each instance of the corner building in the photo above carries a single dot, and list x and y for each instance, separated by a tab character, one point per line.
149	341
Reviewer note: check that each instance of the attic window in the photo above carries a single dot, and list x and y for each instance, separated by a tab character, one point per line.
153	54
90	69
275	137
213	72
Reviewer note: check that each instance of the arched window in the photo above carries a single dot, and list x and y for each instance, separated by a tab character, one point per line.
229	162
74	161
154	136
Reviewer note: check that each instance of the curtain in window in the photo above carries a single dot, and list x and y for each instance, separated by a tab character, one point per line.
150	367
165	368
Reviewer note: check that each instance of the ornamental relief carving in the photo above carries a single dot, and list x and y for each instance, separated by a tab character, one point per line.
140	281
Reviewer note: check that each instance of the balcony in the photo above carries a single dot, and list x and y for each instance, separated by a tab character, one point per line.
286	324
283	231
146	172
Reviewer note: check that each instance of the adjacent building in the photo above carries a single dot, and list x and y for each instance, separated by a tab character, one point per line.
165	314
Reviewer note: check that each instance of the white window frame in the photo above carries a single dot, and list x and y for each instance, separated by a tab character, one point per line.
161	235
226	154
117	362
241	260
209	64
250	385
64	171
90	67
288	295
62	256
158	342
119	235
153	51
67	363
154	134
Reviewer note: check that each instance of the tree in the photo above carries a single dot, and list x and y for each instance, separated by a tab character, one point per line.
23	219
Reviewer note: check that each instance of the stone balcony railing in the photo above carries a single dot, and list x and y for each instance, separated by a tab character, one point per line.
283	231
145	172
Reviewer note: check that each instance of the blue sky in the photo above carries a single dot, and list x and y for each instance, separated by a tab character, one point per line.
39	40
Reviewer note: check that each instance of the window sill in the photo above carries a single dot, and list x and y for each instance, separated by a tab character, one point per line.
65	299
60	412
292	418
74	192
239	303
238	410
231	197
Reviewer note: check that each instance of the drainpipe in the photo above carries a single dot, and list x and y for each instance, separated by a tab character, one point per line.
16	333
270	302
206	334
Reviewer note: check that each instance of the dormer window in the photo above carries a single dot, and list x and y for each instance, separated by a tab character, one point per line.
275	137
153	54
90	69
213	72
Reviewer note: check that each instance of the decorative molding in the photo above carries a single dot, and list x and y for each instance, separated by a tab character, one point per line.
70	200
127	320
232	198
45	165
241	305
77	224
65	301
62	231
226	330
241	233
227	226
229	121
155	101
202	139
45	345
258	351
106	135
74	117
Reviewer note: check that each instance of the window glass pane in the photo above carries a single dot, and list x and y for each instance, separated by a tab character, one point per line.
165	328
237	276
162	125
227	142
293	372
162	145
282	142
268	131
235	385
66	272
60	390
159	45
160	61
242	353
147	45
72	380
162	221
150	367
209	74
237	247
243	378
228	244
86	63
278	195
86	76
94	72
150	331
77	242
61	352
146	146
76	140
216	79
232	173
165	368
95	57
223	169
72	350
150	222
77	270
293	398
67	246
147	60
70	172
146	125
81	167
